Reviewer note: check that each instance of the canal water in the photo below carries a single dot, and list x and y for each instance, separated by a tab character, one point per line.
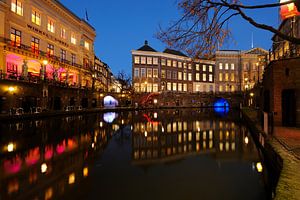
151	154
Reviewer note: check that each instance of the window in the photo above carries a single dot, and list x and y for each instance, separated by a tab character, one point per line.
197	67
174	75
136	60
169	63
163	62
203	77
50	50
220	77
179	64
174	86
155	87
179	75
226	66
210	78
73	38
232	66
143	72
204	68
232	88
137	87
163	73
185	87
15	37
63	33
17	7
174	63
169	86
149	72
210	68
136	72
169	74
155	62
197	77
179	86
232	78
190	77
220	65
246	66
143	60
149	60
149	87
221	88
143	87
184	76
85	61
190	66
50	26
63	55
155	73
86	45
226	77
184	65
36	17
11	68
35	45
73	59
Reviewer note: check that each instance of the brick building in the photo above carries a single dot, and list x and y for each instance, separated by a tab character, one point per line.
170	70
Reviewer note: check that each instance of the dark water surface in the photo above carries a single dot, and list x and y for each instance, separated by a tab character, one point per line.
158	154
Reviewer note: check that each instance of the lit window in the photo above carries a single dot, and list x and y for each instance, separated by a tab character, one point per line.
226	66
184	65
174	86
179	75
185	87
169	86
197	67
220	65
232	66
197	77
155	73
149	72
226	77
155	87
220	77
63	55
137	87
232	77
190	66
86	45
210	78
73	38
174	63
190	77
210	68
169	63
184	76
149	60
50	26
163	73
136	60
143	72
203	77
221	88
36	17
163	62
143	60
149	87
136	72
179	64
63	33
179	86
204	68
155	61
35	45
15	37
50	50
17	7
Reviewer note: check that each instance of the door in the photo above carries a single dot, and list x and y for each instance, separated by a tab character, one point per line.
288	108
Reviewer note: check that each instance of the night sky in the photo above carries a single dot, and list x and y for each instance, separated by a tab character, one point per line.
124	25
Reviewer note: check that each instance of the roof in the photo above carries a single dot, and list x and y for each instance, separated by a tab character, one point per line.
174	52
257	50
146	47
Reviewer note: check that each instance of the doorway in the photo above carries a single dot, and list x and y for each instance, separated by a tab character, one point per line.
288	108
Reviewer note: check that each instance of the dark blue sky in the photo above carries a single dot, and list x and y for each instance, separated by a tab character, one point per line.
124	25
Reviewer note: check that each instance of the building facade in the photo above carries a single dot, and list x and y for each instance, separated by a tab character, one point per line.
239	70
170	70
101	75
46	56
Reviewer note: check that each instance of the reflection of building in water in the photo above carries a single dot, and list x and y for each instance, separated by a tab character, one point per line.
174	139
47	170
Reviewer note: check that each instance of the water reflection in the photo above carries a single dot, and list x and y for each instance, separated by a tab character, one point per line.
50	159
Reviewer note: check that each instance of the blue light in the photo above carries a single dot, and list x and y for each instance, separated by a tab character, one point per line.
221	106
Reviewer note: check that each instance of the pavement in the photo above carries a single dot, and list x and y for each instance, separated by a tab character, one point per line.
286	142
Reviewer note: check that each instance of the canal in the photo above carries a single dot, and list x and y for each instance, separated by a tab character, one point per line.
151	154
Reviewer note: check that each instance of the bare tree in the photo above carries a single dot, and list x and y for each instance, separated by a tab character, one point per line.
203	25
124	81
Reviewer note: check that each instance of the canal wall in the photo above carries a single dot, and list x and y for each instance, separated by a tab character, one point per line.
283	168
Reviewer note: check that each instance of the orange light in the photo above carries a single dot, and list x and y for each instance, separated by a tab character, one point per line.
288	10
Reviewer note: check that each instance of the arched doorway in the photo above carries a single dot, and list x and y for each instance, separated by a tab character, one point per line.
110	102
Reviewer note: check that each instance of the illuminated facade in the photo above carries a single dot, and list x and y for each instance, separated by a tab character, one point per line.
101	75
239	70
170	71
43	39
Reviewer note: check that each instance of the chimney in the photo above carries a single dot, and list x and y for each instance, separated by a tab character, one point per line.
146	42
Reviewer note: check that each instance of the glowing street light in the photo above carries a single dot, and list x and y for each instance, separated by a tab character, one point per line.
45	62
246	140
44	168
10	147
259	167
11	89
251	94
